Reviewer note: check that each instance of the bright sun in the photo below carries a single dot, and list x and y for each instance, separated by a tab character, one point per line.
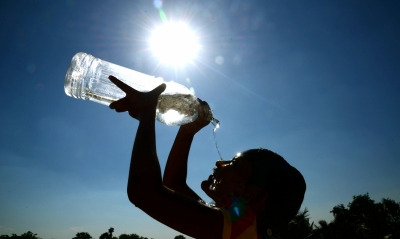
174	43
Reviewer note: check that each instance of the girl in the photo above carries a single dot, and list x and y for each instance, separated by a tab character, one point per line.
256	193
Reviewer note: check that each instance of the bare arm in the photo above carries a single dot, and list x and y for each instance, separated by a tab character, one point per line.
176	169
145	187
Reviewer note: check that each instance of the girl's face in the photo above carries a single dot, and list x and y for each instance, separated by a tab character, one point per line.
229	179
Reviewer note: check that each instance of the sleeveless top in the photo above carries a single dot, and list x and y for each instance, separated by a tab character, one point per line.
239	220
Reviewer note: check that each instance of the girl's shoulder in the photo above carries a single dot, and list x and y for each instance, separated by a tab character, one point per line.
239	220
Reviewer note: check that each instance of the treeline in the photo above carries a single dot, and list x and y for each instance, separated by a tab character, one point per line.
26	235
84	235
362	218
109	235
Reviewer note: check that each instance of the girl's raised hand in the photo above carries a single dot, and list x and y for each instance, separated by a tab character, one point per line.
202	120
135	102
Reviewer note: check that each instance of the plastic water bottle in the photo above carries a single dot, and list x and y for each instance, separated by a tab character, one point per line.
87	78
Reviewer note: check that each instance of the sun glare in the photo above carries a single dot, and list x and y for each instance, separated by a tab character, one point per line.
174	43
172	116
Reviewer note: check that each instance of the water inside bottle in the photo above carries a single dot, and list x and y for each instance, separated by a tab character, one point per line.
176	109
216	124
102	99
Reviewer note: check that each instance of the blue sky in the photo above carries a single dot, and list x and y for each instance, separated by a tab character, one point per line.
317	82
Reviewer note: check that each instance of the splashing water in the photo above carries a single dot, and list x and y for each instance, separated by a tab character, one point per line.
216	124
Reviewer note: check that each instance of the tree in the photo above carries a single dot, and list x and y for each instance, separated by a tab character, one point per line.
107	235
29	235
363	218
180	237
299	227
390	211
131	236
324	230
82	235
26	235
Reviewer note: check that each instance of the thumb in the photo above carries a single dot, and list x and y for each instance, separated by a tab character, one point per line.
159	89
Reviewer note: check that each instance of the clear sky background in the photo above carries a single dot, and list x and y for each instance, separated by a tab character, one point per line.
316	81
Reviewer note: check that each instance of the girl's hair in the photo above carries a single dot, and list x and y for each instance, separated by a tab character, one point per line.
284	184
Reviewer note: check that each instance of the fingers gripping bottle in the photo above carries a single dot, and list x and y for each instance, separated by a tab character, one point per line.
87	78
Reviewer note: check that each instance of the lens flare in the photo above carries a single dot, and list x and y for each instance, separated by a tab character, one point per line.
219	60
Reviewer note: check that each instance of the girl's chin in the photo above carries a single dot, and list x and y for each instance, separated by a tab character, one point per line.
205	185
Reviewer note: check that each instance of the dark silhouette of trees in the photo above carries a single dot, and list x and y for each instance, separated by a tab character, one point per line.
322	230
362	218
108	235
131	236
299	228
180	237
82	235
26	235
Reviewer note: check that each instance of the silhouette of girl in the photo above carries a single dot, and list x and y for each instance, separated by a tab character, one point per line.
256	194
